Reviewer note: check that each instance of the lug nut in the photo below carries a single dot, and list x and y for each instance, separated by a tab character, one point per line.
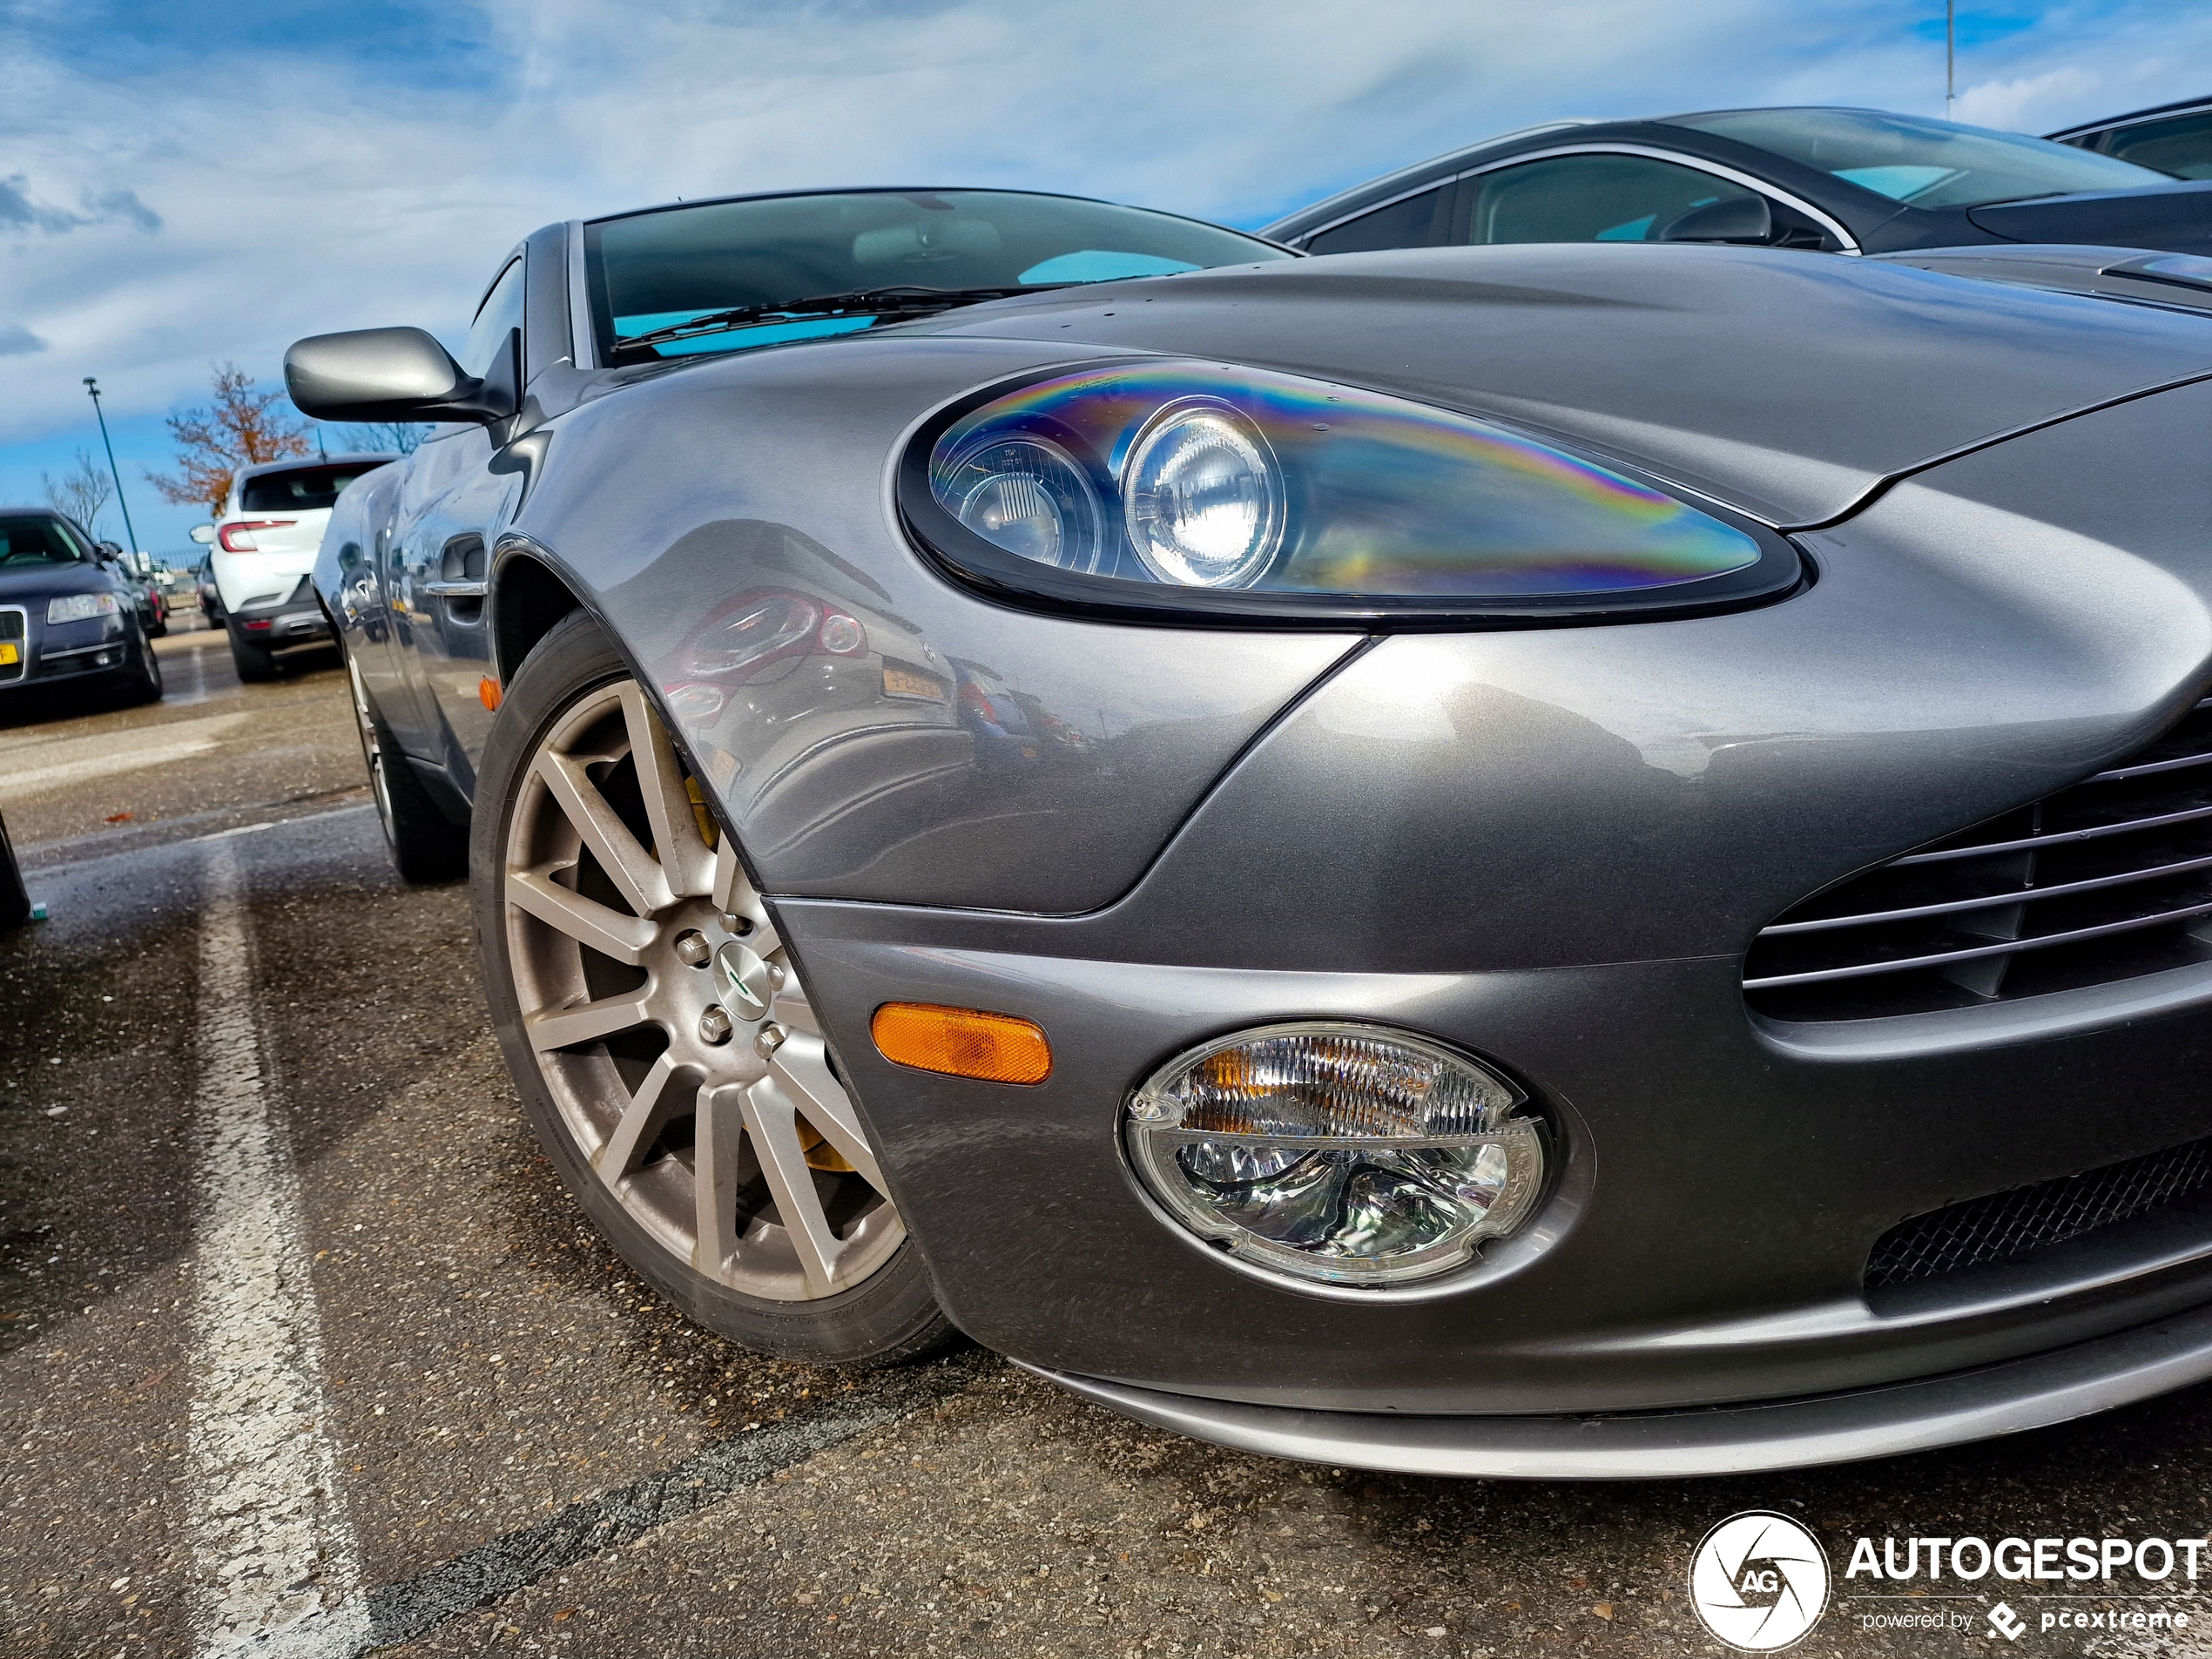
715	1025
693	950
738	925
776	974
767	1040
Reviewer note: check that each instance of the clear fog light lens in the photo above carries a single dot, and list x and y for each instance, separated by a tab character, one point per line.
1345	1153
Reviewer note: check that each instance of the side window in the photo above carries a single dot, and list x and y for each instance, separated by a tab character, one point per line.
500	315
1411	223
2182	145
1589	198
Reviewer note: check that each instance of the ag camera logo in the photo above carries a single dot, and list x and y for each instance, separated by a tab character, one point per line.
1759	1582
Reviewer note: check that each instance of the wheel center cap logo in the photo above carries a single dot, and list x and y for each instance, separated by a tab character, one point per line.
743	981
1759	1582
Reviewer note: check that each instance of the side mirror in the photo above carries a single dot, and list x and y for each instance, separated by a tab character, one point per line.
1745	221
110	552
388	375
203	534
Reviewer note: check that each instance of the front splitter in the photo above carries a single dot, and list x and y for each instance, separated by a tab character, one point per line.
2034	1392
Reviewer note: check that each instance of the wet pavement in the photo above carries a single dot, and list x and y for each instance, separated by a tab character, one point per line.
528	1452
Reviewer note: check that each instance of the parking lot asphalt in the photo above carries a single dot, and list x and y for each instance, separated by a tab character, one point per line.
510	1445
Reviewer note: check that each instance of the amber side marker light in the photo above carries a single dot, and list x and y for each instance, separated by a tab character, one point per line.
488	694
962	1043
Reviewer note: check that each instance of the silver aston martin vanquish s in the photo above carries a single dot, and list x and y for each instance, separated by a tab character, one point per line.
1523	860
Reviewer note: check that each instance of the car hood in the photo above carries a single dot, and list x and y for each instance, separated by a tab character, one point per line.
50	580
2175	218
1788	384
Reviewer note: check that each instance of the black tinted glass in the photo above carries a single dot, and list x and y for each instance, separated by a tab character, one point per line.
1411	223
2181	145
301	490
35	539
1590	198
659	269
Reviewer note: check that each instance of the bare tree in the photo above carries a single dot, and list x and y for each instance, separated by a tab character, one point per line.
240	428
81	492
378	437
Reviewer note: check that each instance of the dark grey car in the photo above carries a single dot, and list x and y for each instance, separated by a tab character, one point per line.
2174	139
1838	180
1565	861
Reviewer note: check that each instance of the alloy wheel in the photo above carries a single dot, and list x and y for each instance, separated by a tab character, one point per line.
669	1024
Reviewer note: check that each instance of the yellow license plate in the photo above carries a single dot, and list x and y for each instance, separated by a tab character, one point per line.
902	682
8	655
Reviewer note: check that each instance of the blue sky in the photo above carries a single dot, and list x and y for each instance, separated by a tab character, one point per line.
193	182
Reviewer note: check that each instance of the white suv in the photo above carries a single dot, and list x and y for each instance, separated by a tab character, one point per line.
264	545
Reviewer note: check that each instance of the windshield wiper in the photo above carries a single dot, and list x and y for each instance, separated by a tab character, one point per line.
905	299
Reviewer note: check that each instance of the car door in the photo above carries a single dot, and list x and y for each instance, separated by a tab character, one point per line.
451	507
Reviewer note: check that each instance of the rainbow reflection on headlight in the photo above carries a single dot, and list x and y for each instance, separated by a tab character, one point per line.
1378	495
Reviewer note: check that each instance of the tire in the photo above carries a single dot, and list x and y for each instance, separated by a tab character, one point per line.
15	903
426	846
141	683
636	1100
255	662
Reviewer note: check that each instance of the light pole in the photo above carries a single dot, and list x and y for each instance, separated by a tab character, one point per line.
93	388
1950	54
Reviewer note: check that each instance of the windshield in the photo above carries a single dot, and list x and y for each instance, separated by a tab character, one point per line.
34	539
302	489
657	270
1924	162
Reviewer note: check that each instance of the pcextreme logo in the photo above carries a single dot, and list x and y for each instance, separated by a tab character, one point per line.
1759	1582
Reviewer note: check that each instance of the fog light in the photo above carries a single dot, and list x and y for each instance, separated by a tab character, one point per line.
1350	1154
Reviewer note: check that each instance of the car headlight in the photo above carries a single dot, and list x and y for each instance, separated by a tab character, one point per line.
1343	1153
80	607
1196	487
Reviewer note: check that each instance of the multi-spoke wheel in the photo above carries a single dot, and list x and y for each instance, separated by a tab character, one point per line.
661	1036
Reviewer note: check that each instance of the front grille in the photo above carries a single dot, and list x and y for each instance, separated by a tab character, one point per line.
12	632
2007	1225
2107	880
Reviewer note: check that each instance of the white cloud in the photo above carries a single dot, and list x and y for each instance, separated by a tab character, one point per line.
2026	104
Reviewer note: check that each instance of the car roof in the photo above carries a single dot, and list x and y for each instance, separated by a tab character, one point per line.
2132	117
1374	192
297	463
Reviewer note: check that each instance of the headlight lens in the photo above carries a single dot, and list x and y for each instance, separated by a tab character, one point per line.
1029	496
1342	1153
1193	485
80	607
1202	497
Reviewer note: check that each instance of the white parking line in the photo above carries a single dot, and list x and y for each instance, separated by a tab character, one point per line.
133	749
276	1565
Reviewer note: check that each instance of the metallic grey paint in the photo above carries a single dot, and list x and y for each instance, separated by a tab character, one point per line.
1547	847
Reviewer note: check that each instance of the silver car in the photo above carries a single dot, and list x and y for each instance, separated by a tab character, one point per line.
1516	861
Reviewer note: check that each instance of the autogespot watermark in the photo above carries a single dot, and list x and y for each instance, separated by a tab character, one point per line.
1760	1581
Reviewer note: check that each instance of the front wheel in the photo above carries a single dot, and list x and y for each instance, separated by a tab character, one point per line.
660	1036
141	683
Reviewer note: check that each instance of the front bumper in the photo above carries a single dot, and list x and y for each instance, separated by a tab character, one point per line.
1918	1416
